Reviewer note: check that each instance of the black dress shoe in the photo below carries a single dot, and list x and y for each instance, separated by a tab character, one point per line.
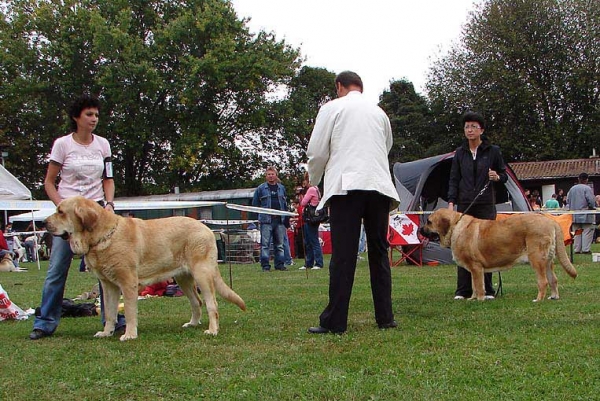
36	334
322	330
390	325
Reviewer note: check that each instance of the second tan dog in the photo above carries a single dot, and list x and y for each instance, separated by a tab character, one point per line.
7	265
483	246
123	252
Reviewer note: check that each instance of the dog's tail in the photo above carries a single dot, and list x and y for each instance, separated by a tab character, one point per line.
561	252
226	292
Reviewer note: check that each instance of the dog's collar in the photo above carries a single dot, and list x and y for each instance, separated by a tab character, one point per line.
107	236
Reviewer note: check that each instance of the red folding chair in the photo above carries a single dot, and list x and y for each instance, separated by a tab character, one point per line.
404	238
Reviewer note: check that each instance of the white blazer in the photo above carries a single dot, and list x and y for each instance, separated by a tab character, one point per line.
349	145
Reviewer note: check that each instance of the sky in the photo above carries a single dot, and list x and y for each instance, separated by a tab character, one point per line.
380	40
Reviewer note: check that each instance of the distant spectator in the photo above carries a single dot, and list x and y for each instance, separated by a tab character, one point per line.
560	197
552	203
581	197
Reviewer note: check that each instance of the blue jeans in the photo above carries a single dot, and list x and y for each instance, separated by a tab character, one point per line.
287	254
313	251
54	287
277	232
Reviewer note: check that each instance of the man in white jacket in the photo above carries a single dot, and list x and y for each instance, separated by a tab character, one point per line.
349	149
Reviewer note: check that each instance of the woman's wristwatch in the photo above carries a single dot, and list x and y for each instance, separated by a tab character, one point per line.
112	204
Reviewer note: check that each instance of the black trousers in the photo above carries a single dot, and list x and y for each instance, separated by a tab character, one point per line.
463	276
345	215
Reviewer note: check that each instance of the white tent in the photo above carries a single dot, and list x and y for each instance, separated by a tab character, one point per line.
11	188
14	195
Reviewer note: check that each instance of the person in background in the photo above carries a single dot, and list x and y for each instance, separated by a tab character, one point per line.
313	254
349	149
534	200
83	161
560	197
271	195
475	164
581	197
552	203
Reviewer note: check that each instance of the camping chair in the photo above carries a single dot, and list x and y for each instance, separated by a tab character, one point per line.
403	237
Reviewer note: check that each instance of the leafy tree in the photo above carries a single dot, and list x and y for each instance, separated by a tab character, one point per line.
411	122
182	83
533	68
308	91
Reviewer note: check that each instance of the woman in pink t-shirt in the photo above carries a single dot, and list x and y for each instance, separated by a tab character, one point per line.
83	161
313	253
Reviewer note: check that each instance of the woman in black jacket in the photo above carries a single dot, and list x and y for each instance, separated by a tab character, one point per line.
475	163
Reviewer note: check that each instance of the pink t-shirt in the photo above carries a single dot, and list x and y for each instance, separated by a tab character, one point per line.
82	166
311	196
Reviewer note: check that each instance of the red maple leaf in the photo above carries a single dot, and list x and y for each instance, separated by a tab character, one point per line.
407	229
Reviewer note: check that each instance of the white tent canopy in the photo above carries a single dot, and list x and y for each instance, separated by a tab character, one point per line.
11	188
14	195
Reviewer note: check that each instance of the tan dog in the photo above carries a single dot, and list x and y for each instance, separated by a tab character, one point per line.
7	265
483	246
123	252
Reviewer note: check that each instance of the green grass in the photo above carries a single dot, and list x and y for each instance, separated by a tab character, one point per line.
507	349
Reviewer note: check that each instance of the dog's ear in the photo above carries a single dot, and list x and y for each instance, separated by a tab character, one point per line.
88	216
443	227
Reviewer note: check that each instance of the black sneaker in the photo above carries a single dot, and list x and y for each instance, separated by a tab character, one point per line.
36	334
391	325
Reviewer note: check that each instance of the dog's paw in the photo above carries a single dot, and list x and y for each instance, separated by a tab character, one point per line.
554	297
126	337
191	324
102	334
212	333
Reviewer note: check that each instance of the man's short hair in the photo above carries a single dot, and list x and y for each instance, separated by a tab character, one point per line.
271	168
349	78
583	177
472	116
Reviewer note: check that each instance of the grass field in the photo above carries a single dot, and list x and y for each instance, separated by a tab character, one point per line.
506	349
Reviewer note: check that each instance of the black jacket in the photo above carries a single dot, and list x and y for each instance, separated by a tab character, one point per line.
468	176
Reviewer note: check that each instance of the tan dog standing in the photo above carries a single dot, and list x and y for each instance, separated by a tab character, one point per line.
484	246
123	252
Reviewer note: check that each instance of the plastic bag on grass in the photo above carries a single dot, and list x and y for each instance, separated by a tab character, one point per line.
8	310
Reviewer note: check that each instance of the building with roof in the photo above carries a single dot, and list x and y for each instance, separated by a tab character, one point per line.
549	176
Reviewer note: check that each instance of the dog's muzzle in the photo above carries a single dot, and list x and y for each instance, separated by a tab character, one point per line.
429	235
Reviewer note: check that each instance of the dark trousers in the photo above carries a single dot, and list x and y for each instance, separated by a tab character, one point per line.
345	215
463	276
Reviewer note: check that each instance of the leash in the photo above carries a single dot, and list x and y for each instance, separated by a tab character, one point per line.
486	186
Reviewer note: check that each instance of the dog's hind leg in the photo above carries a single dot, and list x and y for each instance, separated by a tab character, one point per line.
110	299
188	286
540	262
204	277
552	280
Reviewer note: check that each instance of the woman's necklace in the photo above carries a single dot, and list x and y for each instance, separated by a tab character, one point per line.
85	143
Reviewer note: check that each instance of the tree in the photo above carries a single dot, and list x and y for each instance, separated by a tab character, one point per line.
310	89
533	69
181	84
411	122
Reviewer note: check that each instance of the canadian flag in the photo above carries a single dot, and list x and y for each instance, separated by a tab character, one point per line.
404	229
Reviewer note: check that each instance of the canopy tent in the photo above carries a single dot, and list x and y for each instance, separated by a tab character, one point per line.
11	188
423	187
14	195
